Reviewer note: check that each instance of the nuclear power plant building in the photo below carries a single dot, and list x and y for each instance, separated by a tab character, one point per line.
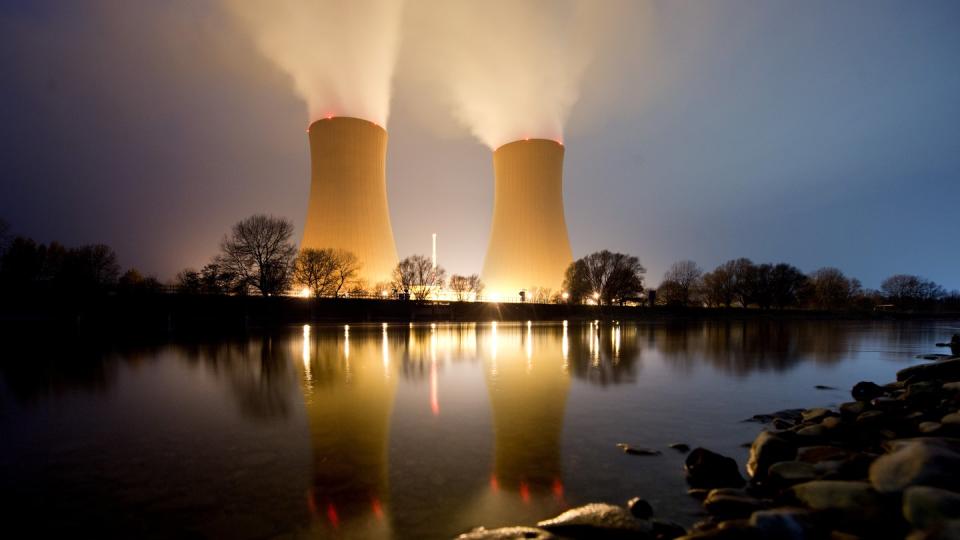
348	194
528	246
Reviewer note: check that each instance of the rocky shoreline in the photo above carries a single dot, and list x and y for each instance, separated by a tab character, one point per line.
884	465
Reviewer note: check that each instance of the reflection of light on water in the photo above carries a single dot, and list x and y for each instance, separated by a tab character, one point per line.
565	347
616	343
306	357
529	347
386	353
595	343
434	398
346	341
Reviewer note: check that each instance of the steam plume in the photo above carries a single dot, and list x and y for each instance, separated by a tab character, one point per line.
510	69
340	54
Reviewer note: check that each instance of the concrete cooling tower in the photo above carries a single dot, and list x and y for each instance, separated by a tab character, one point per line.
348	194
528	246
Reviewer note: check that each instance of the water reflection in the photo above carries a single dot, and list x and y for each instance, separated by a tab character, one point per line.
527	381
507	389
348	391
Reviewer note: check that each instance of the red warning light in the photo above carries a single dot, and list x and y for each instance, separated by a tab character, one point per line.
332	515
525	492
494	483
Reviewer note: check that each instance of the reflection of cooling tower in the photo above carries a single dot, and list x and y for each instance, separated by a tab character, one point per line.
528	387
528	241
348	194
349	395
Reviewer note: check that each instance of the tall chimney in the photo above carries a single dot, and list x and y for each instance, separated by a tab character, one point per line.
348	194
528	246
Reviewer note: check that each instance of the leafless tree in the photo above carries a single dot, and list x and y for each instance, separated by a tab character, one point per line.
833	290
718	287
606	276
907	291
417	276
259	252
680	283
464	286
327	271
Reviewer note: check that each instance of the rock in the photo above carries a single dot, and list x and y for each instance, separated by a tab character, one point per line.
680	447
923	394
824	387
946	369
788	473
933	356
783	523
952	418
854	500
948	530
698	493
929	427
766	450
727	530
815	415
852	409
639	508
870	418
813	431
952	386
666	530
925	507
885	402
816	454
917	462
598	520
831	422
865	391
706	469
727	506
637	451
507	533
792	415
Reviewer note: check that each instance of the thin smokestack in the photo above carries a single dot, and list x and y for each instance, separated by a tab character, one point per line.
529	246
348	194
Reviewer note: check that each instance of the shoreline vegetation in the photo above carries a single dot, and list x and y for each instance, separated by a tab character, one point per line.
259	280
884	465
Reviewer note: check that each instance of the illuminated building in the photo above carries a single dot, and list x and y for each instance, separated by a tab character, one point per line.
348	194
528	246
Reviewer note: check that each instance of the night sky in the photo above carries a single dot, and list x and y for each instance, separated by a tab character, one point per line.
819	133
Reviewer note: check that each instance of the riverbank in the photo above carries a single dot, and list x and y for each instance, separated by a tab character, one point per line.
173	313
884	465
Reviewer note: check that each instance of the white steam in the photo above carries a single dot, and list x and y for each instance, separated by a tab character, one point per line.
510	69
340	54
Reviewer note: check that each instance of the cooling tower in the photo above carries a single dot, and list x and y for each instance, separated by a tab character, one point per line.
528	246
348	194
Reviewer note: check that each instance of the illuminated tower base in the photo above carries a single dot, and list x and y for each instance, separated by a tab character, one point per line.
348	194
528	246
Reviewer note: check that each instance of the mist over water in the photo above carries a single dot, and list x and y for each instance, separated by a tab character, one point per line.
340	55
507	70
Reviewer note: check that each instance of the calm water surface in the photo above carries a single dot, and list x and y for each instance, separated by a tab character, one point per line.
401	431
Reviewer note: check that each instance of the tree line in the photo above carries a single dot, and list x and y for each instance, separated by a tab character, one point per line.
743	283
31	268
259	257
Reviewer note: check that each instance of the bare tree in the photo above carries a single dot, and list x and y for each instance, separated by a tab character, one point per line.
680	283
259	252
606	276
465	286
326	272
831	289
416	276
907	291
718	287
